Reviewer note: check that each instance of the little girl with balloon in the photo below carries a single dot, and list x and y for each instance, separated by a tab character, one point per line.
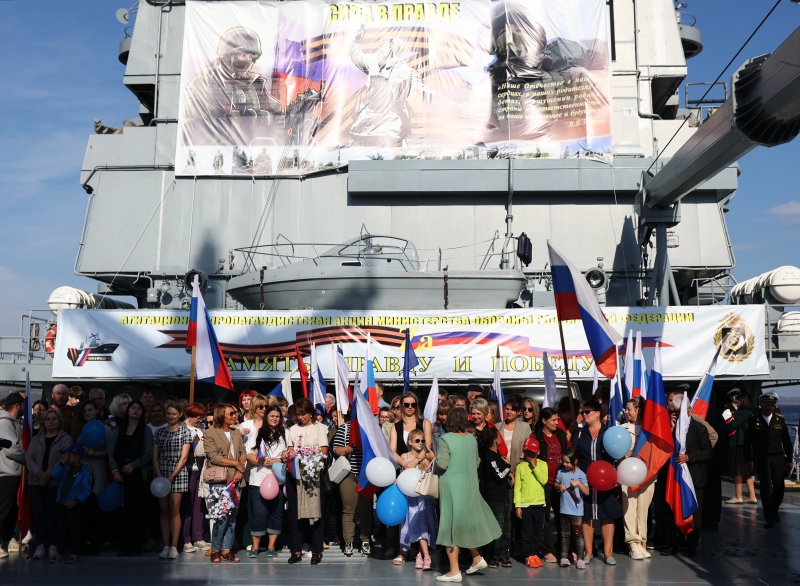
420	524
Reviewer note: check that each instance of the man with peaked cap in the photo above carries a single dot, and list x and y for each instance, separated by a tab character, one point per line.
768	451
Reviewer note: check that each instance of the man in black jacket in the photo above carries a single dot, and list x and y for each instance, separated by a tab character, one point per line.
768	450
698	454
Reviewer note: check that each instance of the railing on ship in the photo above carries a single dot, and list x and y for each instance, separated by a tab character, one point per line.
31	343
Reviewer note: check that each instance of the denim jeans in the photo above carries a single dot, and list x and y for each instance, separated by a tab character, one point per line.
266	516
502	513
222	534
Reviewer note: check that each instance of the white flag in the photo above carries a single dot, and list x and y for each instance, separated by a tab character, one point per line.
550	389
432	404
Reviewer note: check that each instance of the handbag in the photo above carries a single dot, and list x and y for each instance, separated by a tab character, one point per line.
428	483
339	469
218	474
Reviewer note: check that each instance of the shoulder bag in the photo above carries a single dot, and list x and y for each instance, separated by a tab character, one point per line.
218	474
428	484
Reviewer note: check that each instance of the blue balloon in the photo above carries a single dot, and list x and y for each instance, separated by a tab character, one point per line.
93	433
392	506
617	441
110	498
279	469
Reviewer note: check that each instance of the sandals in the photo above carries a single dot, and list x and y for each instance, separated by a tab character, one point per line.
229	557
398	561
216	557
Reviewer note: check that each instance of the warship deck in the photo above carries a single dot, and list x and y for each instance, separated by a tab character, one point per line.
740	553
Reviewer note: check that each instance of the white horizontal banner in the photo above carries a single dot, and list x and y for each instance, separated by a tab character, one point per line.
459	345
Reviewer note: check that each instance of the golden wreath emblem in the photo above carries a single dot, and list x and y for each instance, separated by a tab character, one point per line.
736	338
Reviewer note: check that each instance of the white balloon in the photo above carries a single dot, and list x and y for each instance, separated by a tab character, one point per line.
407	481
380	472
631	472
160	487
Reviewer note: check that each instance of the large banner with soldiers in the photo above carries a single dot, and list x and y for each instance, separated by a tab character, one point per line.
270	88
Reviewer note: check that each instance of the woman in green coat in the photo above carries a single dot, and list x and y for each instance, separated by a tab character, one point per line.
737	422
465	519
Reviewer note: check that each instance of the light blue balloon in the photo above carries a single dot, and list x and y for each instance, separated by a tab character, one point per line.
392	506
617	441
110	498
93	433
160	487
279	469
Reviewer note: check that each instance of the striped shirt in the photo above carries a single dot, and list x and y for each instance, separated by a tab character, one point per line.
342	440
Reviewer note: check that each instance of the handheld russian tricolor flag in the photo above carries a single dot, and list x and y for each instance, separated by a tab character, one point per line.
341	379
550	390
654	446
616	403
639	369
575	299
497	384
410	361
318	385
628	380
680	490
368	386
209	362
702	396
372	442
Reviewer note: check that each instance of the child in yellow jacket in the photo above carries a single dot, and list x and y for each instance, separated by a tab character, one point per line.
529	483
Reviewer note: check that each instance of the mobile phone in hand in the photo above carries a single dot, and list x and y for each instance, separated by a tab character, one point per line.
425	448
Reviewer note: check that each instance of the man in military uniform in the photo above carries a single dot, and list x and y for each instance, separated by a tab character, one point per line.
768	451
227	102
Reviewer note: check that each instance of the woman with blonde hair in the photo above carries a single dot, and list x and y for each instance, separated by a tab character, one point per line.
410	418
530	412
117	408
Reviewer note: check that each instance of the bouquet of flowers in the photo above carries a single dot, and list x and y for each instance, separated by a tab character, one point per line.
310	462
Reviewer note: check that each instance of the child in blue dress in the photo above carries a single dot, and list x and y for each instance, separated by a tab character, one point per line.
420	524
571	482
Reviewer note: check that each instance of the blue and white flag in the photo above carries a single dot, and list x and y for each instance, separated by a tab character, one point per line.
284	389
550	389
318	385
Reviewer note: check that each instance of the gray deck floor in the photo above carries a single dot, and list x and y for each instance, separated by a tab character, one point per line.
741	553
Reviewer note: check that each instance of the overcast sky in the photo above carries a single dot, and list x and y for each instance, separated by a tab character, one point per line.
60	70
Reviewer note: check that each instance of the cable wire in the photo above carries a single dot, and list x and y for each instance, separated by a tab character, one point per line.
721	73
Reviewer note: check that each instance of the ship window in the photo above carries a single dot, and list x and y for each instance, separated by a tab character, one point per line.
350	263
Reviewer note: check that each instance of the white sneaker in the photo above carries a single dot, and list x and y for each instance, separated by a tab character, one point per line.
636	552
477	567
202	545
173	553
189	548
14	546
444	578
27	539
645	553
164	553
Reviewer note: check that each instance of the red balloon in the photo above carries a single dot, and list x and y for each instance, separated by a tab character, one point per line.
601	475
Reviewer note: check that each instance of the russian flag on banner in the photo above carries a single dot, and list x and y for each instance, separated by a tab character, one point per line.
655	446
703	395
497	384
372	442
283	389
576	300
368	386
550	390
318	384
25	513
680	489
210	362
616	403
341	380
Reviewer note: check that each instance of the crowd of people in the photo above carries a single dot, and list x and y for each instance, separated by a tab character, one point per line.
211	478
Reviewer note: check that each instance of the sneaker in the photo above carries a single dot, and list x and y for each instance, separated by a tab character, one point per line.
188	548
52	552
426	563
580	564
644	552
14	546
494	564
164	553
252	553
29	537
202	545
366	549
505	561
58	558
173	553
564	563
3	553
418	562
477	567
72	559
636	552
348	549
533	561
271	553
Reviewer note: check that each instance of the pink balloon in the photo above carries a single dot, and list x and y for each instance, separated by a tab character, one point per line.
269	487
